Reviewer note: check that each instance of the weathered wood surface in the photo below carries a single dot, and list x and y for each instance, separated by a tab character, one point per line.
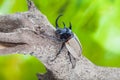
31	32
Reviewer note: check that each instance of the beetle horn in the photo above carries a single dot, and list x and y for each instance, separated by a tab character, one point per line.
70	27
64	25
56	22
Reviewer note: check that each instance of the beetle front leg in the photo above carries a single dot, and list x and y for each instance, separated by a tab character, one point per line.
63	44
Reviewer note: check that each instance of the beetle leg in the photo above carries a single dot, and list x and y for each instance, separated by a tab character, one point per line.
72	60
63	44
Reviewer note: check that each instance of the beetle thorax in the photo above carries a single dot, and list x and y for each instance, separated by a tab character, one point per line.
64	34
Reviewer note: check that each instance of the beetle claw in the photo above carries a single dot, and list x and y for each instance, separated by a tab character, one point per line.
56	22
70	27
64	25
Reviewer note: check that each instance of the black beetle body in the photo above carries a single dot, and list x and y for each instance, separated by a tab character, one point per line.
63	34
70	40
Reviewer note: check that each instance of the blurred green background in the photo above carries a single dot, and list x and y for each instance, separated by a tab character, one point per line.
95	22
20	67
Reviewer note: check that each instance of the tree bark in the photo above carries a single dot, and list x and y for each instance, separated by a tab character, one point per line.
31	32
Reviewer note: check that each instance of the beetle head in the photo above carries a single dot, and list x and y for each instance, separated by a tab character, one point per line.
65	33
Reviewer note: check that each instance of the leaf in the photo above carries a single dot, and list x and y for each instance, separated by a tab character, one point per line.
20	67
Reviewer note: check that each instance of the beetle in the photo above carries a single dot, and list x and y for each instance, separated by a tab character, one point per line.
70	40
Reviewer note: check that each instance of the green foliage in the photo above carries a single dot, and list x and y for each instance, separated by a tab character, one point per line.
96	23
20	67
12	6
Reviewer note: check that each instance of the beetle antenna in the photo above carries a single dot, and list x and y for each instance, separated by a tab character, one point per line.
64	25
56	22
70	27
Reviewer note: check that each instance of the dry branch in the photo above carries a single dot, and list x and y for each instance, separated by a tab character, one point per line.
31	32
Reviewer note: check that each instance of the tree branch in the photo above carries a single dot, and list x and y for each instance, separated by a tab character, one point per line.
13	37
33	29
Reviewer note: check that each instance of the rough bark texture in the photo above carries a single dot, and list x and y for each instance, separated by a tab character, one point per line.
31	32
